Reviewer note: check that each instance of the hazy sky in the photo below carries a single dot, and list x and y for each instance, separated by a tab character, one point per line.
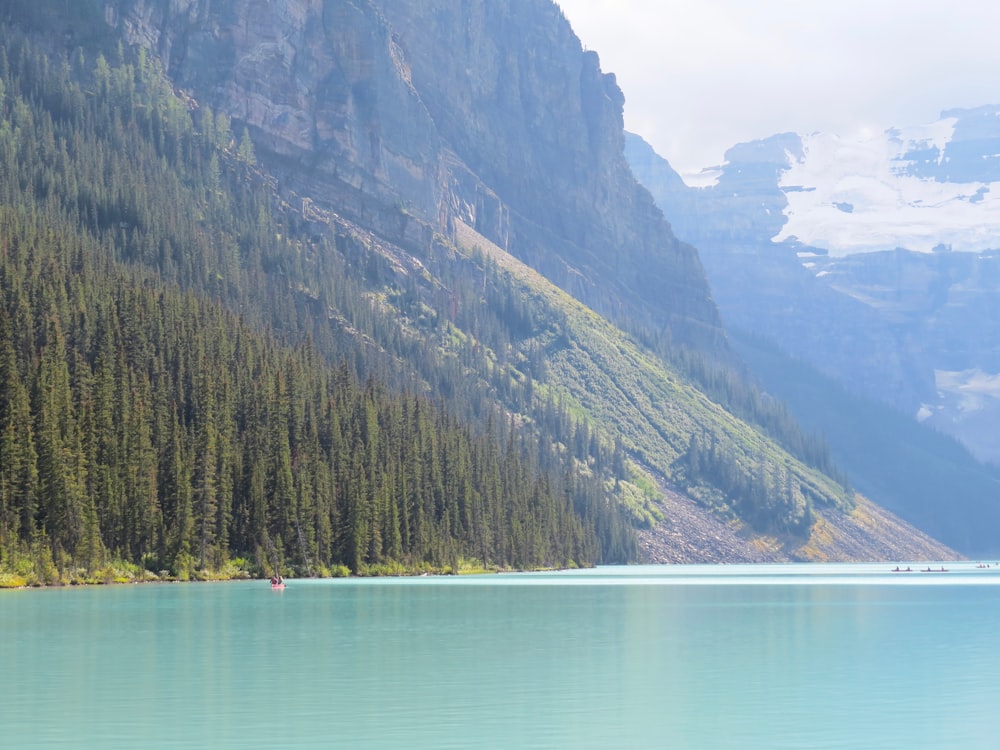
702	75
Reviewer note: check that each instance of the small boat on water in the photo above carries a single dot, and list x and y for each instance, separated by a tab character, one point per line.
277	583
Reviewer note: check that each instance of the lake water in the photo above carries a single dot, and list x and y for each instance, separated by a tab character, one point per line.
782	656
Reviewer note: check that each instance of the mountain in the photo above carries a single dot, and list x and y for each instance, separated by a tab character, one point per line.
900	226
373	110
772	287
860	319
480	339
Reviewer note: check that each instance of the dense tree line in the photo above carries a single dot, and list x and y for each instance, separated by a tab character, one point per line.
766	495
145	423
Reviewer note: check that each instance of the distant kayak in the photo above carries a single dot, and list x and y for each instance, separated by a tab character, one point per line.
277	586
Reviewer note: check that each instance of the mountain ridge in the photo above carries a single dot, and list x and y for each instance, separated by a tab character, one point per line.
609	415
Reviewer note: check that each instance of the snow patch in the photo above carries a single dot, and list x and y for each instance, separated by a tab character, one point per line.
969	391
974	381
705	178
969	409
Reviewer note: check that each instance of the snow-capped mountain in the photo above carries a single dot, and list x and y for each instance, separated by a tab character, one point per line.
845	251
922	188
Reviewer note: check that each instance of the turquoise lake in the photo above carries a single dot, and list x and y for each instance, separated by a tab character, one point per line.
776	656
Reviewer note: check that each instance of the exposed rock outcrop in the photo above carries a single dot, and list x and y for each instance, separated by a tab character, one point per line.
868	532
489	111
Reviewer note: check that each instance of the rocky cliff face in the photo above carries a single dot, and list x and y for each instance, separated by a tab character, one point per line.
321	86
407	116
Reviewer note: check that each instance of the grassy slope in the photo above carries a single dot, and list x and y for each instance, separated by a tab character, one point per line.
629	392
633	393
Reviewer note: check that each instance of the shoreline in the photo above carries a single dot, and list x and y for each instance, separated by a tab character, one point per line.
960	562
13	581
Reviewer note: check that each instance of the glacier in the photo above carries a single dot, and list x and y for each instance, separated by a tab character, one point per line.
934	187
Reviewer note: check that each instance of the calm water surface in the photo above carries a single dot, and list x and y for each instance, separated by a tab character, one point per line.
784	656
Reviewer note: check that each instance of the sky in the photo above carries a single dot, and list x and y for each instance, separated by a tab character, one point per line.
700	76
